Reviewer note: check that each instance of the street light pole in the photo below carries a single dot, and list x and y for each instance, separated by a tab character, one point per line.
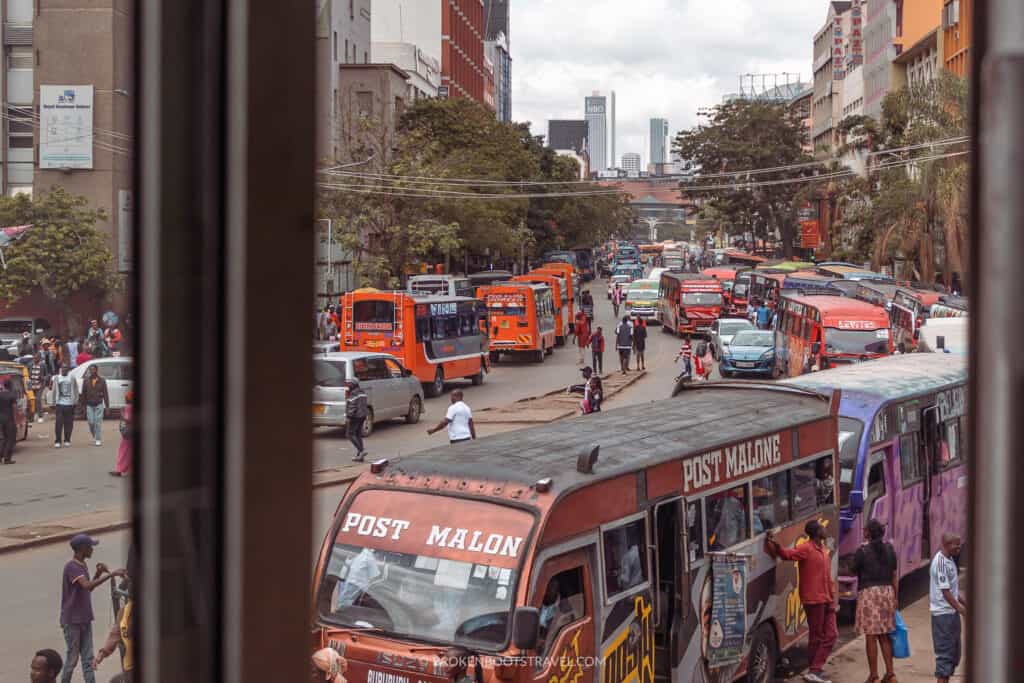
330	250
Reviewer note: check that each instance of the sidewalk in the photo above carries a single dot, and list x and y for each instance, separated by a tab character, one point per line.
849	663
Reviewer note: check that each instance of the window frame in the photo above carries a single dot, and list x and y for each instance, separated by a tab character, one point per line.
749	514
609	599
915	437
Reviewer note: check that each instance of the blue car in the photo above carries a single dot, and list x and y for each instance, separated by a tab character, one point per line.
751	353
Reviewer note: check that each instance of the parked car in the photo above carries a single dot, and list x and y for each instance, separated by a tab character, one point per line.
723	330
19	383
12	328
21	368
752	352
119	373
391	389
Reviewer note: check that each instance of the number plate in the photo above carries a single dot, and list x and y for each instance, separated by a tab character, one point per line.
744	364
319	409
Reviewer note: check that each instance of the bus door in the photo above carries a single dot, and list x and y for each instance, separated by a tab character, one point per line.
671	583
879	480
564	594
627	633
929	437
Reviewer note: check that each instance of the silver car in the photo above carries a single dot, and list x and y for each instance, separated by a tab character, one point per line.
722	332
391	390
119	373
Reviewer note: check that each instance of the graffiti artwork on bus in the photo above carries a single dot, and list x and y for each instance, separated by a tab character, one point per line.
569	668
629	657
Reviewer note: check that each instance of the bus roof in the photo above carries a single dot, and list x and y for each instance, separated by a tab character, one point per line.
688	276
497	286
443	276
721	272
904	376
785	266
833	308
630	439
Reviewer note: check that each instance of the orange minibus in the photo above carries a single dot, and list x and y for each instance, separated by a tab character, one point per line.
561	305
568	287
521	317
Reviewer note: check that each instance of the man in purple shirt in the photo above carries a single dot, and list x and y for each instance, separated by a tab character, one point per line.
76	606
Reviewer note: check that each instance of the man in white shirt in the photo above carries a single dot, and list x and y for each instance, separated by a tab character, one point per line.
458	420
946	607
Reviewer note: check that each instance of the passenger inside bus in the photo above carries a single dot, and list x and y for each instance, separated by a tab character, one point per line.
562	605
625	566
727	518
694	532
363	570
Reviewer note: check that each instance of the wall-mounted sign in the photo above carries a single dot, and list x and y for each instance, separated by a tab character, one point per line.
65	126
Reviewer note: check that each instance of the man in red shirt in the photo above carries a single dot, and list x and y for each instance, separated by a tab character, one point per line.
816	593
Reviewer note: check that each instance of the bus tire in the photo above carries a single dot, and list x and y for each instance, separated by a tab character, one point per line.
550	350
763	656
494	356
559	341
538	356
415	410
478	378
368	423
435	388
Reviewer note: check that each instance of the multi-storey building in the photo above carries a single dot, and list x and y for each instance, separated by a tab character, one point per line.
659	141
631	164
497	42
567	134
957	34
829	69
424	71
342	37
596	108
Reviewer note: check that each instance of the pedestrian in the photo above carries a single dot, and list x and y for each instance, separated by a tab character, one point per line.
616	298
73	348
597	349
357	409
816	593
707	361
94	342
96	400
946	607
123	466
38	380
587	373
595	394
112	337
640	342
8	432
582	335
76	606
64	397
458	420
878	578
25	346
624	343
49	356
686	353
764	316
46	666
83	355
588	305
121	636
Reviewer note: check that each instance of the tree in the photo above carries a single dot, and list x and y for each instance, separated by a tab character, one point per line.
742	135
62	255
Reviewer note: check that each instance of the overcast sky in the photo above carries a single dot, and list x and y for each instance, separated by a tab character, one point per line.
663	58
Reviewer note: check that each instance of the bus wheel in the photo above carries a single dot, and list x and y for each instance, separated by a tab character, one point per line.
368	423
478	378
415	410
550	350
538	356
762	658
559	341
435	388
495	356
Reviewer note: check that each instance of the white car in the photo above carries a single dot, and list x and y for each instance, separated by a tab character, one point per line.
621	279
119	373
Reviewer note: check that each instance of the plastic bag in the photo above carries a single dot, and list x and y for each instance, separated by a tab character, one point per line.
900	639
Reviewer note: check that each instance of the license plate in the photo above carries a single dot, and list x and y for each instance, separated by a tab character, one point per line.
319	409
744	364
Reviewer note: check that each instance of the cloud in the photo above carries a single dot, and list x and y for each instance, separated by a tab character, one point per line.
663	58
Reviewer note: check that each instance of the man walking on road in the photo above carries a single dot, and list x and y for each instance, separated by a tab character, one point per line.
597	349
624	342
46	666
37	381
640	342
816	593
582	335
616	298
96	401
357	409
64	394
458	420
76	606
946	607
8	432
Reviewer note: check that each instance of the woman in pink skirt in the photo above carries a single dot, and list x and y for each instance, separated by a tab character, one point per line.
124	451
877	588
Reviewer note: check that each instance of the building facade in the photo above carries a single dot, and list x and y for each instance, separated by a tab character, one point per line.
957	35
880	51
342	37
424	71
829	67
567	134
631	164
919	64
659	141
596	108
498	52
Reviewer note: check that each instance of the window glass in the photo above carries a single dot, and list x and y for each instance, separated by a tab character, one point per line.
366	313
625	557
107	370
563	603
771	502
911	470
329	373
804	489
727	522
124	371
361	369
695	534
423	329
393	368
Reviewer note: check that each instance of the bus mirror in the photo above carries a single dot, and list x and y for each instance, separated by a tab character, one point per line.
526	628
815	348
856	501
406	372
940	341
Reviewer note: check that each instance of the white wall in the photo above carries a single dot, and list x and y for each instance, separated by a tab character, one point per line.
409	21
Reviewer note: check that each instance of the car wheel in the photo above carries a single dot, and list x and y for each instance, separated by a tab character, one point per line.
724	373
368	423
436	388
415	410
762	658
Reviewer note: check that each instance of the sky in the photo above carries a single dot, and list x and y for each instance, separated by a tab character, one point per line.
663	58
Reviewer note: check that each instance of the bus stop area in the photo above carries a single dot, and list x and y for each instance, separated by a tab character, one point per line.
552	406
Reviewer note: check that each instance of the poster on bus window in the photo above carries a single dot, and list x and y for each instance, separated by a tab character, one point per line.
728	628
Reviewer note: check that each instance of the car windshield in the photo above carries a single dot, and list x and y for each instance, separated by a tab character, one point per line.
644	294
739	289
759	338
15	326
850	431
856	341
731	327
702	299
406	564
329	373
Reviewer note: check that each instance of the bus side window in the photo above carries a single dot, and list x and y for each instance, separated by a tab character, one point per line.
423	329
911	468
876	485
804	490
562	604
948	451
695	532
727	518
771	502
625	557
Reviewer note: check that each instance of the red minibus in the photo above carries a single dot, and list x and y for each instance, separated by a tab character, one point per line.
689	303
910	309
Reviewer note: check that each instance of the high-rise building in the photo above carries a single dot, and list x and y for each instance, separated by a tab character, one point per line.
829	71
659	141
957	36
567	134
342	37
498	52
496	18
611	157
450	31
631	163
596	108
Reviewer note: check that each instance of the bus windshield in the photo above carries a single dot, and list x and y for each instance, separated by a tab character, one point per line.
739	289
702	299
406	564
850	431
856	341
429	286
369	315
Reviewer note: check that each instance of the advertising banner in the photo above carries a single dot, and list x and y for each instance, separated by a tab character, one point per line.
728	611
65	126
809	235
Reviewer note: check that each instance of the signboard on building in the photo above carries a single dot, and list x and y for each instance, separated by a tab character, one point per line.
810	238
65	126
124	231
838	68
442	91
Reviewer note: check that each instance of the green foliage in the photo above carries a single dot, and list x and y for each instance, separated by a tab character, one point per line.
743	135
392	224
61	255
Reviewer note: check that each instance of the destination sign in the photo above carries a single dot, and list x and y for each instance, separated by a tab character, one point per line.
732	462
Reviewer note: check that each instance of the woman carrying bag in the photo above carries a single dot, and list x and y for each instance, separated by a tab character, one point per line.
878	579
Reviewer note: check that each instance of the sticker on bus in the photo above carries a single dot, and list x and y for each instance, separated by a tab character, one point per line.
855	325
